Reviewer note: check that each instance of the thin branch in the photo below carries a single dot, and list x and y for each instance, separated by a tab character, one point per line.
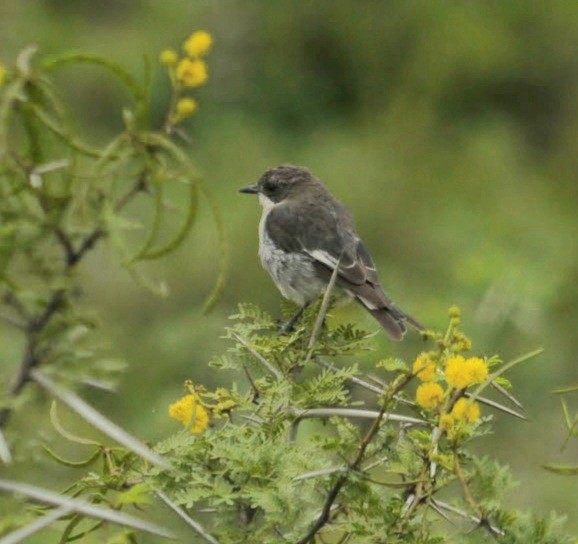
465	487
352	379
324	307
197	527
82	507
445	506
354	465
12	321
317	473
507	394
496	405
258	356
5	455
97	420
356	412
37	525
35	324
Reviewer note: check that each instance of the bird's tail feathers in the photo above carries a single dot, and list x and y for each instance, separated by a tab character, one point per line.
393	326
385	312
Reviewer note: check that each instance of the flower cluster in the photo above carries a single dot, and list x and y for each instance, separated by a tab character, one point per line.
446	374
198	407
187	72
424	367
461	373
191	413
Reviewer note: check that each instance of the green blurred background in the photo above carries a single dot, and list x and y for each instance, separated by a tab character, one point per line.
450	130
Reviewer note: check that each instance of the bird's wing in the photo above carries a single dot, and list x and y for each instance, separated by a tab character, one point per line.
327	235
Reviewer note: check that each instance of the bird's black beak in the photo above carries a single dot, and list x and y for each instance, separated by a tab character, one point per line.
250	189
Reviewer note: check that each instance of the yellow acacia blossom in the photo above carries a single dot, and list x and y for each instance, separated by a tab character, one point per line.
456	372
191	413
477	368
198	44
191	72
466	409
461	372
185	108
429	395
3	73
168	57
454	311
424	368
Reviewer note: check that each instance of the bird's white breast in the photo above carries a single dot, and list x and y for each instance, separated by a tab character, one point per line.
293	273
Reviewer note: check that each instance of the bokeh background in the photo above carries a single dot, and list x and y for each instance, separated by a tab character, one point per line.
450	129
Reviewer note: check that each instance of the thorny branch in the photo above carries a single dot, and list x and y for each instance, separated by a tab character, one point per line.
34	325
354	465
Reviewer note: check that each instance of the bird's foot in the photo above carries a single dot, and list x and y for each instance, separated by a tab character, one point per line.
289	326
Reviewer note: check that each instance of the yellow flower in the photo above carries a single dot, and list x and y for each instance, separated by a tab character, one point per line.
185	108
191	413
478	369
168	57
454	311
429	395
198	43
424	368
3	73
466	409
457	374
461	373
192	73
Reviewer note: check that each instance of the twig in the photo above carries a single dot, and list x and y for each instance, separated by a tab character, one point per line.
496	405
258	356
37	525
35	324
12	321
445	506
82	507
465	487
5	455
358	381
97	420
320	472
196	526
507	394
356	412
324	307
359	457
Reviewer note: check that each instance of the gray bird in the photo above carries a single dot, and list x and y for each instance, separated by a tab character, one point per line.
304	234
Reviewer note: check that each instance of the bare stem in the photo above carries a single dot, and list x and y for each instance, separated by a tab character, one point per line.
34	325
354	465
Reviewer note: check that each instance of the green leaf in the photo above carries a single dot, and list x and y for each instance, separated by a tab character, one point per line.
98	420
393	365
564	390
137	494
113	68
73	464
564	470
177	240
82	507
66	434
223	255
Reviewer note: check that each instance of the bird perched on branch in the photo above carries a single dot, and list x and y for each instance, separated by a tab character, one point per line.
305	234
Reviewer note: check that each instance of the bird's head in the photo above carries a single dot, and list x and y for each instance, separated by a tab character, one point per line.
281	182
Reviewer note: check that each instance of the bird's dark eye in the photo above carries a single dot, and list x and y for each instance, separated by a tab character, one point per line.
269	187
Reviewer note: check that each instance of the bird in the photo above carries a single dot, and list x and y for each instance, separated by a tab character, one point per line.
305	234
